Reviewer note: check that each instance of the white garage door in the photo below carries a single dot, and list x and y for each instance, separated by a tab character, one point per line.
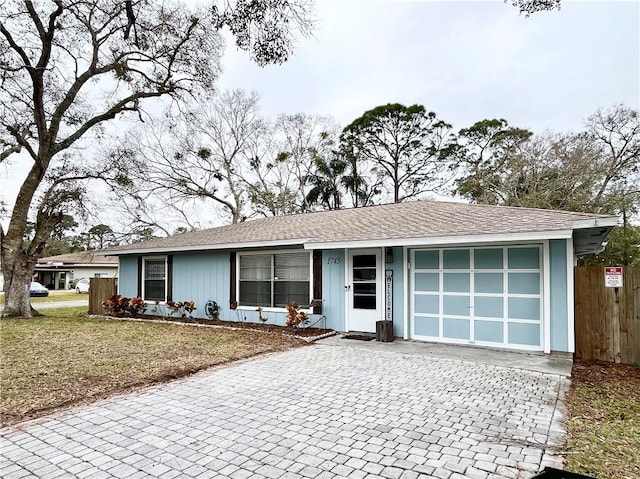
485	296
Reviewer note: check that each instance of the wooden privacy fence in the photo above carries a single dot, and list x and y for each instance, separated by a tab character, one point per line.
607	320
99	290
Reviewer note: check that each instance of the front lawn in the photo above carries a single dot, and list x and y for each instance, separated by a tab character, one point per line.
64	357
604	425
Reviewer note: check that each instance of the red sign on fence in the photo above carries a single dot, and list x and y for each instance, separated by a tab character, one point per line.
613	276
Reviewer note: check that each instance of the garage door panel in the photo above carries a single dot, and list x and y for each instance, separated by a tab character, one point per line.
524	283
492	296
489	331
425	326
427	259
456	259
524	258
456	305
489	258
427	282
457	282
489	283
453	328
427	304
524	308
526	334
489	307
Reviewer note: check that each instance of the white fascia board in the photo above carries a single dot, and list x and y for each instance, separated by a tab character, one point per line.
445	240
229	246
596	222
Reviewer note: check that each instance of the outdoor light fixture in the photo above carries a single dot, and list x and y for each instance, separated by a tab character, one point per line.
388	255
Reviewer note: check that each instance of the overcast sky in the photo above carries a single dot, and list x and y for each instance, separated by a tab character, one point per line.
466	61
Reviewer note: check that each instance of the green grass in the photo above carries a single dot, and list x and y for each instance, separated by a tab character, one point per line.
64	357
56	295
604	425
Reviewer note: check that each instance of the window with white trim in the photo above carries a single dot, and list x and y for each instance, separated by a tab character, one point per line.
154	278
275	279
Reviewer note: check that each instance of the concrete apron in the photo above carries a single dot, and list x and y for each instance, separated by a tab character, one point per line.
527	361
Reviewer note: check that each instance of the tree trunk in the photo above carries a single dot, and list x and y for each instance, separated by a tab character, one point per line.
18	262
17	269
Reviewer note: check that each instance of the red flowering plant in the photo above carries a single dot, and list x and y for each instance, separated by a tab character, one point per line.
120	306
182	308
295	316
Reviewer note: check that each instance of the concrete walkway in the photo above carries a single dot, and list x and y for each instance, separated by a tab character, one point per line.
339	408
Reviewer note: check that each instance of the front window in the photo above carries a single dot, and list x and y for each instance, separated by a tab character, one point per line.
275	280
154	279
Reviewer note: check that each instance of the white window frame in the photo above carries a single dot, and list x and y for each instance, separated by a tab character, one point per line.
166	276
304	307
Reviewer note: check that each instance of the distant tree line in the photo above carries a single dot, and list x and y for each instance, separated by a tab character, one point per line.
227	154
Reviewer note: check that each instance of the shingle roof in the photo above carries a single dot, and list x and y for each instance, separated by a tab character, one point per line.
402	221
83	257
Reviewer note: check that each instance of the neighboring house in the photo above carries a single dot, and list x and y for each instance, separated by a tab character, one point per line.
57	272
442	271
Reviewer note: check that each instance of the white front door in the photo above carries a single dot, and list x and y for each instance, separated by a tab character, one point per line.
364	290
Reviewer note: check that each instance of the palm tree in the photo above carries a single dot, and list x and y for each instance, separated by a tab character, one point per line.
326	182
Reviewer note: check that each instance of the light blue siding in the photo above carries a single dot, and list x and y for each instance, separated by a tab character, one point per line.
128	276
558	288
202	277
333	270
398	291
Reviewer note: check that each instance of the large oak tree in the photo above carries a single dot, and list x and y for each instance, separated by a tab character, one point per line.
68	69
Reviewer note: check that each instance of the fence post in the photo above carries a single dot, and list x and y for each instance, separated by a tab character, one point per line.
99	290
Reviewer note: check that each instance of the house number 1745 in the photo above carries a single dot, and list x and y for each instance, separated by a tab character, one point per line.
333	260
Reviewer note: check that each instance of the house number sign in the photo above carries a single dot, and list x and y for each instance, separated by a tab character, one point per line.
388	296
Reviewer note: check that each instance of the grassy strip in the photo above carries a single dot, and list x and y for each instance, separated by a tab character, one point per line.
604	426
62	295
65	357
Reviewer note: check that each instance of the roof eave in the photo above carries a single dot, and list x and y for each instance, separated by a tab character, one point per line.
445	240
610	221
205	247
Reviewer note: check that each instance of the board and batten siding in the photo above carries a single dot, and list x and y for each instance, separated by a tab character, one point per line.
559	320
202	277
128	276
398	295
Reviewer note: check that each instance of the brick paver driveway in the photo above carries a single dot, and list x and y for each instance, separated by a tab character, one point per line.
318	412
